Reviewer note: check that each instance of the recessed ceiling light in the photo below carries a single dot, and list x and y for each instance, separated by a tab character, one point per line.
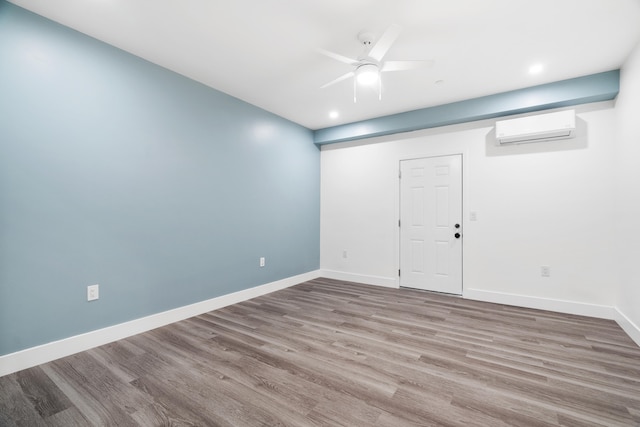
333	114
536	69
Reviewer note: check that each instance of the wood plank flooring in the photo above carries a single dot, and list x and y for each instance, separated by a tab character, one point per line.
334	353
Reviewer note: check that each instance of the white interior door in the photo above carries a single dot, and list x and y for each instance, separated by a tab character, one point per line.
431	224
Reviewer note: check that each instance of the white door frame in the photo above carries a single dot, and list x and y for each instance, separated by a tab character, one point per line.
464	158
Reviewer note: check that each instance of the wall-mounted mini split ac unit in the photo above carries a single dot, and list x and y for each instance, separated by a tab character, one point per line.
538	128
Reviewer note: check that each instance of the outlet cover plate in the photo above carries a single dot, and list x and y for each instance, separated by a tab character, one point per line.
545	271
93	292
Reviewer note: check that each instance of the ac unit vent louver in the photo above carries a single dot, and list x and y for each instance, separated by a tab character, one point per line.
538	128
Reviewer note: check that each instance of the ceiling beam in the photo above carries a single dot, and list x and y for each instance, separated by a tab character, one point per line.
581	90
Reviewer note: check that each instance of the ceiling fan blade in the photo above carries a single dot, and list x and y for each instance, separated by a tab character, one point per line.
339	79
383	44
406	65
339	57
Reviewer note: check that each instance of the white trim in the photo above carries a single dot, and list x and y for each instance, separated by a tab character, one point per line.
628	326
34	356
561	306
51	351
387	282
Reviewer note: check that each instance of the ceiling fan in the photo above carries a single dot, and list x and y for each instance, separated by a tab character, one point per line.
369	64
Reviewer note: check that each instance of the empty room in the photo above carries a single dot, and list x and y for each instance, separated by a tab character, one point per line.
320	213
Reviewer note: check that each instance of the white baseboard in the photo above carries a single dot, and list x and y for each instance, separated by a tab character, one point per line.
628	326
386	282
34	356
561	306
51	351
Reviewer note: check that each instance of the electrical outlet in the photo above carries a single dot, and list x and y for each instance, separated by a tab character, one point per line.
545	271
473	216
93	292
261	261
344	254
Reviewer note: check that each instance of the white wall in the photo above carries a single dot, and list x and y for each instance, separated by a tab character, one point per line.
537	204
627	241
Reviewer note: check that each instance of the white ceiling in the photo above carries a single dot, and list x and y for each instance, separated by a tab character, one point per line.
264	51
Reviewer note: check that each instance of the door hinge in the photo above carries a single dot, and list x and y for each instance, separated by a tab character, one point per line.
400	174
398	223
398	273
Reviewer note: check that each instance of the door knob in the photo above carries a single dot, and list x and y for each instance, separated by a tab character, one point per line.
457	235
457	226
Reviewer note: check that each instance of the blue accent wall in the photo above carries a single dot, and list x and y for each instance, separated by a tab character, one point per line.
581	90
119	172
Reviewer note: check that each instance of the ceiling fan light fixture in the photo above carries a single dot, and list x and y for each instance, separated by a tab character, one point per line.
367	74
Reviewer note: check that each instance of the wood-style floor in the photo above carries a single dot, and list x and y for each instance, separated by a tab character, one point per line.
334	353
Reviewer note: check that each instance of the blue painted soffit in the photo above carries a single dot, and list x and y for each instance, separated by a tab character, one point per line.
581	90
